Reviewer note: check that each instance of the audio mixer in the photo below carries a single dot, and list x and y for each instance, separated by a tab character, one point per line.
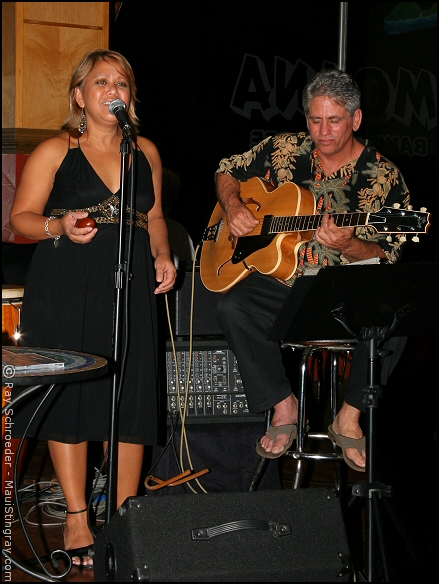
211	382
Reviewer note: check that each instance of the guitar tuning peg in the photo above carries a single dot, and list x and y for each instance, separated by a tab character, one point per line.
423	209
410	207
389	238
396	205
415	239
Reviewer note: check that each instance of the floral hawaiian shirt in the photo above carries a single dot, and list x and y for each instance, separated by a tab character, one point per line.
363	185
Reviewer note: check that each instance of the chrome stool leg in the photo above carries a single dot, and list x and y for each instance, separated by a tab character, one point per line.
310	350
335	354
263	462
301	422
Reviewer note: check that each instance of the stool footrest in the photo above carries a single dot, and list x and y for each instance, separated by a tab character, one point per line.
332	457
317	436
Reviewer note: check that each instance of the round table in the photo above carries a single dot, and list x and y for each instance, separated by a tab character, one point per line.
77	367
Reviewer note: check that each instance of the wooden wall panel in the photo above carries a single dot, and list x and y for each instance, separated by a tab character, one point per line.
8	65
73	13
49	55
50	39
41	44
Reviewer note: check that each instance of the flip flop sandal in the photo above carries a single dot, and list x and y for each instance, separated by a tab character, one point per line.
273	432
345	442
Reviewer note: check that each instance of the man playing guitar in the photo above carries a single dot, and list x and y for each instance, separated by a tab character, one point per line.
345	174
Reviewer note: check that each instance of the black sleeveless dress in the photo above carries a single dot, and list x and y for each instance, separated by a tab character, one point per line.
69	302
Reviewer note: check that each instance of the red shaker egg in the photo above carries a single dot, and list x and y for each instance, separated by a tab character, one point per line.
86	222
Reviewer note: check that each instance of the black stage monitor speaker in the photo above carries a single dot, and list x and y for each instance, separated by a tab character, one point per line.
204	321
256	536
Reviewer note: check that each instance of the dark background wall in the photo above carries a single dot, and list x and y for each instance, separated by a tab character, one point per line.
212	83
215	78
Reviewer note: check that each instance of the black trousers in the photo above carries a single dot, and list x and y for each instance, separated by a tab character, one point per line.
246	314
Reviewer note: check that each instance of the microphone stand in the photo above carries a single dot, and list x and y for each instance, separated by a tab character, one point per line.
121	276
372	489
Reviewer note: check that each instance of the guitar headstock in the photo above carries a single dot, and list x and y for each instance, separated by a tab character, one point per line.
398	221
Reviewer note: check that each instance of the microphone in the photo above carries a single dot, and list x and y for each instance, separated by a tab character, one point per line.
118	109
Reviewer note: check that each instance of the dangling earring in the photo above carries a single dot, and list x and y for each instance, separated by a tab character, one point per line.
82	122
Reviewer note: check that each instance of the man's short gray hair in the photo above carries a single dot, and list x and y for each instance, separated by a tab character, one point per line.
335	84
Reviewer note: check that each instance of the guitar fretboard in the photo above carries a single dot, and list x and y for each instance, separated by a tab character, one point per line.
311	222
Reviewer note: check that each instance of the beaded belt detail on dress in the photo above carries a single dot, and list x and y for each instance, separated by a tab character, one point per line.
110	212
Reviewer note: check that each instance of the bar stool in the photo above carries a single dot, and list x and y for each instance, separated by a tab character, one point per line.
326	355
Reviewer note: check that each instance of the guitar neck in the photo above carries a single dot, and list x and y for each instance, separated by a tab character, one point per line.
285	224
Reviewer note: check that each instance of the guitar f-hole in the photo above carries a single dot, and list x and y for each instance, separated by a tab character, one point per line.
220	267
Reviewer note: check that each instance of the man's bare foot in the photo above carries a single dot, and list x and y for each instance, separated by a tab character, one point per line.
77	534
346	423
285	413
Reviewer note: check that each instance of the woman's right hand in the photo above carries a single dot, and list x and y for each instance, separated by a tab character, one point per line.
77	234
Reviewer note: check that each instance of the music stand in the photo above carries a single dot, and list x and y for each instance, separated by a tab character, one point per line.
369	303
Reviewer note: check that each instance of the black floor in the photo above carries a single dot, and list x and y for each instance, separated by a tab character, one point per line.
409	524
406	463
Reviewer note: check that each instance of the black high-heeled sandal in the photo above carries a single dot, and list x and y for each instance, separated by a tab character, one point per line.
82	552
